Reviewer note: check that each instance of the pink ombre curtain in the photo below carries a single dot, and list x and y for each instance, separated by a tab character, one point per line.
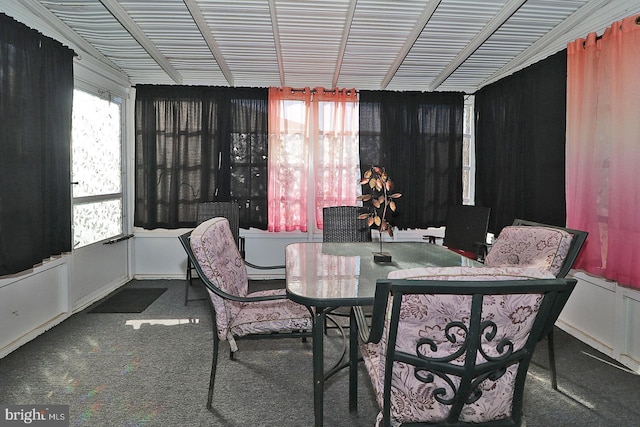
287	165
603	150
296	118
336	159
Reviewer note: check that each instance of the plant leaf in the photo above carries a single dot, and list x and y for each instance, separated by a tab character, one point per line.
370	221
372	182
367	174
365	197
396	195
377	221
392	205
363	216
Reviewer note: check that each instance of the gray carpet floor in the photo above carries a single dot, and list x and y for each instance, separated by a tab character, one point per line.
152	369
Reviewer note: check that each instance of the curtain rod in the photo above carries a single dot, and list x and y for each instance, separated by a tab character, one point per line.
314	91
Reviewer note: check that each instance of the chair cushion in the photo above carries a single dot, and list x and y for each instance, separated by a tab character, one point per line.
217	254
533	246
270	316
423	316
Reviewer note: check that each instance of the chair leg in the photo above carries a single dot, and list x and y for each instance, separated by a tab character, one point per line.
214	364
187	283
552	360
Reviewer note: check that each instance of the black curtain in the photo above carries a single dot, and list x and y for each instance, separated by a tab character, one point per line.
417	137
36	95
520	145
197	144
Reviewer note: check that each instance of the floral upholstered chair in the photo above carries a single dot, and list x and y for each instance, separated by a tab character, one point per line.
235	312
540	247
532	244
453	344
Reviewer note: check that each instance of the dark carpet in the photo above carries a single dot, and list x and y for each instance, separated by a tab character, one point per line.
128	300
152	369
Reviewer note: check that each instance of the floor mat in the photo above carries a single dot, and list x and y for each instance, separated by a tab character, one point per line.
132	300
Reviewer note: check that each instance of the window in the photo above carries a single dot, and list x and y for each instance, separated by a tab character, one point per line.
313	155
468	154
96	168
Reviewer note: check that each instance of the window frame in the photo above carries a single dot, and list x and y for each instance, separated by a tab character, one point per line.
469	132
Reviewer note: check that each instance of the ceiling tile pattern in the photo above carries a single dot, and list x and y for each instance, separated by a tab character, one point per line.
434	45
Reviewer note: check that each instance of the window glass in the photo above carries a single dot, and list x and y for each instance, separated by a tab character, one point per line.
97	168
96	145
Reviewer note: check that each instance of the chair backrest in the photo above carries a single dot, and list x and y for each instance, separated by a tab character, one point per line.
466	226
457	341
577	241
341	224
228	210
538	245
550	247
216	257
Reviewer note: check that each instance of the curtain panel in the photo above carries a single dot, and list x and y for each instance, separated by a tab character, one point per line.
417	137
197	144
315	126
520	145
603	152
36	87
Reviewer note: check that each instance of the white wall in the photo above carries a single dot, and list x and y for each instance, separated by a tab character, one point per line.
606	316
159	254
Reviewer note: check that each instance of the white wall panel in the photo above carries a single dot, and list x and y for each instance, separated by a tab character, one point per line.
31	303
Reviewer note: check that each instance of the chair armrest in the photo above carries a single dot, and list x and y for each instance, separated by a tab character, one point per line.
184	240
373	333
241	246
361	322
252	265
482	249
264	267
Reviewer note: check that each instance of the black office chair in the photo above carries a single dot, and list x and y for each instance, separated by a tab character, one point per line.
465	230
230	211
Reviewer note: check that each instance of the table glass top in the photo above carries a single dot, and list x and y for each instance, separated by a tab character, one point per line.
334	274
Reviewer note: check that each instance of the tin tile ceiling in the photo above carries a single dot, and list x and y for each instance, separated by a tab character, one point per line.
436	45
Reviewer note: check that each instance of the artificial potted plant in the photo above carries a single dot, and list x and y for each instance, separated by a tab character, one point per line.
381	200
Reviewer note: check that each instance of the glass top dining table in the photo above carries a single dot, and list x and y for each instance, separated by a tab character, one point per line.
324	276
345	274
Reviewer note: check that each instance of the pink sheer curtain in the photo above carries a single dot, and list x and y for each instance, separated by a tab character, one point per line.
603	150
289	112
298	120
337	158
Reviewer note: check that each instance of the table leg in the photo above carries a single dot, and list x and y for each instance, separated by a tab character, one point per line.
353	362
318	365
